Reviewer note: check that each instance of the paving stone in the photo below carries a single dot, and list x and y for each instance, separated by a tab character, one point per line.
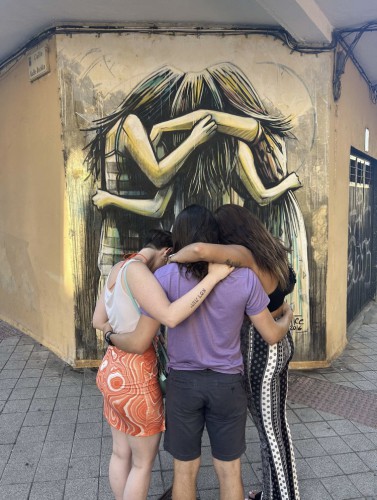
31	373
32	434
366	483
70	403
64	416
51	469
350	463
15	364
324	466
26	383
37	418
88	402
104	490
84	489
86	447
104	465
48	490
311	489
14	491
320	429
46	392
57	449
90	430
42	404
107	445
84	468
22	392
11	373
343	427
340	487
86	416
16	406
334	445
359	442
23	449
49	382
69	391
19	470
5	393
304	471
61	432
369	458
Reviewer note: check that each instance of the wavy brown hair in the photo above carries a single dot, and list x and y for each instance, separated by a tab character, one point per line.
238	226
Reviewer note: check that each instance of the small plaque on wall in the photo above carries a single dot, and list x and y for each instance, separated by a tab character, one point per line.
38	63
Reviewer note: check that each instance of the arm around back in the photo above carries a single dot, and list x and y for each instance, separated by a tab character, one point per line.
272	331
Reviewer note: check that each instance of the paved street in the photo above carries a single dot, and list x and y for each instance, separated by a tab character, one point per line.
54	443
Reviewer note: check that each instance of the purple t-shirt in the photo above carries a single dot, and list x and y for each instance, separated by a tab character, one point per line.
210	337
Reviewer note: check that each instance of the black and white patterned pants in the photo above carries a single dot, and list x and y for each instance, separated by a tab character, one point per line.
266	384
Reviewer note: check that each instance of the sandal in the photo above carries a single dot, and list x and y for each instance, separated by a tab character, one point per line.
253	495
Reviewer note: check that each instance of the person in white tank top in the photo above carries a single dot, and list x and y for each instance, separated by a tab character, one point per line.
133	403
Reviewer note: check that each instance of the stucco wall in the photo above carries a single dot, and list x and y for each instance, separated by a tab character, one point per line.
50	227
350	115
35	248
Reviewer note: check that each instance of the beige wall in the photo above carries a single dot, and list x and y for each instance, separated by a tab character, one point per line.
49	229
35	250
350	115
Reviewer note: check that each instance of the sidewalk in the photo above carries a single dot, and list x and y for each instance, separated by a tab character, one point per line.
54	443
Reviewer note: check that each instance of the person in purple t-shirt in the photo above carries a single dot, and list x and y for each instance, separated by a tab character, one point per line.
204	386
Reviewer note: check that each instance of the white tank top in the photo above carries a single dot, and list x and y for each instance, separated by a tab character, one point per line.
121	308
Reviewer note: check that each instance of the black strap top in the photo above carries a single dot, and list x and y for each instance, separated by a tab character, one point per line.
278	295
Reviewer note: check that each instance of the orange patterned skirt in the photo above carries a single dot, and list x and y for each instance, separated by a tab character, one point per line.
132	397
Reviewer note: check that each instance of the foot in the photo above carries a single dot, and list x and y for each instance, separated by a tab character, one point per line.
254	495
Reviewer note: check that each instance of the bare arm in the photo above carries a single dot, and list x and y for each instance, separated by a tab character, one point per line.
252	182
243	127
140	339
233	255
272	331
152	208
151	297
161	172
100	320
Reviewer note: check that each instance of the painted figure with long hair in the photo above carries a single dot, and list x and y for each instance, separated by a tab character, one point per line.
134	176
203	137
244	162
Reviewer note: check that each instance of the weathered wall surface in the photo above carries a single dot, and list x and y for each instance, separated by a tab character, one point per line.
252	74
35	252
349	117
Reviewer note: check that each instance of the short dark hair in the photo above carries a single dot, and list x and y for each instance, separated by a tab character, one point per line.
158	239
195	224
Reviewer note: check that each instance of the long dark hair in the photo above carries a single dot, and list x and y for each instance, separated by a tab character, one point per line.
194	224
238	226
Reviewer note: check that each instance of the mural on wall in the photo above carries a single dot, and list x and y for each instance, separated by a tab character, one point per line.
148	129
195	137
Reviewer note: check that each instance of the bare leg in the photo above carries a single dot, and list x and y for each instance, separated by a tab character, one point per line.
184	483
131	465
120	463
230	479
144	450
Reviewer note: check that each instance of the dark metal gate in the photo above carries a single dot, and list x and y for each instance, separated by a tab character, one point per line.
361	279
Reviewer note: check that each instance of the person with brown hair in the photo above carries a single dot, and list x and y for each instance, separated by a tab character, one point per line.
246	242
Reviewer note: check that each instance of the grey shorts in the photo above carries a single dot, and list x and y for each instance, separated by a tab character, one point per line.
195	399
